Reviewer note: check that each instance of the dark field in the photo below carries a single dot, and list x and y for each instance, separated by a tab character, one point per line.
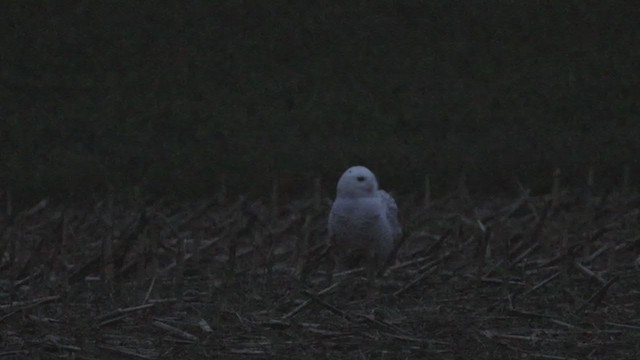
547	277
162	104
172	98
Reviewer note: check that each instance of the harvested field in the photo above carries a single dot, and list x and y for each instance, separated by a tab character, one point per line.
529	277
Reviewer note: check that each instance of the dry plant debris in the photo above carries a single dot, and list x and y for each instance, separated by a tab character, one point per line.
532	277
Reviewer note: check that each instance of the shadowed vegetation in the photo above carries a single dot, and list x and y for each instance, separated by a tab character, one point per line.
170	98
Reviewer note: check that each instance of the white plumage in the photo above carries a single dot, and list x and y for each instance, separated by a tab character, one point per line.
363	219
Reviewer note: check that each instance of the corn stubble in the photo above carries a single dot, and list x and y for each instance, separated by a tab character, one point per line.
551	276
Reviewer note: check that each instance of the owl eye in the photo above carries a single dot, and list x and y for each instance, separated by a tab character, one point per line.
360	178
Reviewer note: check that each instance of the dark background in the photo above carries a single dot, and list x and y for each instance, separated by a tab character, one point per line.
172	98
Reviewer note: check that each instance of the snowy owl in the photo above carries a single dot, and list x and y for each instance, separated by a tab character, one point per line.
363	223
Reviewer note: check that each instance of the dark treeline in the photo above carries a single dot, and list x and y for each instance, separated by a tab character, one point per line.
171	98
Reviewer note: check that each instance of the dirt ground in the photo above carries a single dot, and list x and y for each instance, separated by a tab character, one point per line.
528	277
